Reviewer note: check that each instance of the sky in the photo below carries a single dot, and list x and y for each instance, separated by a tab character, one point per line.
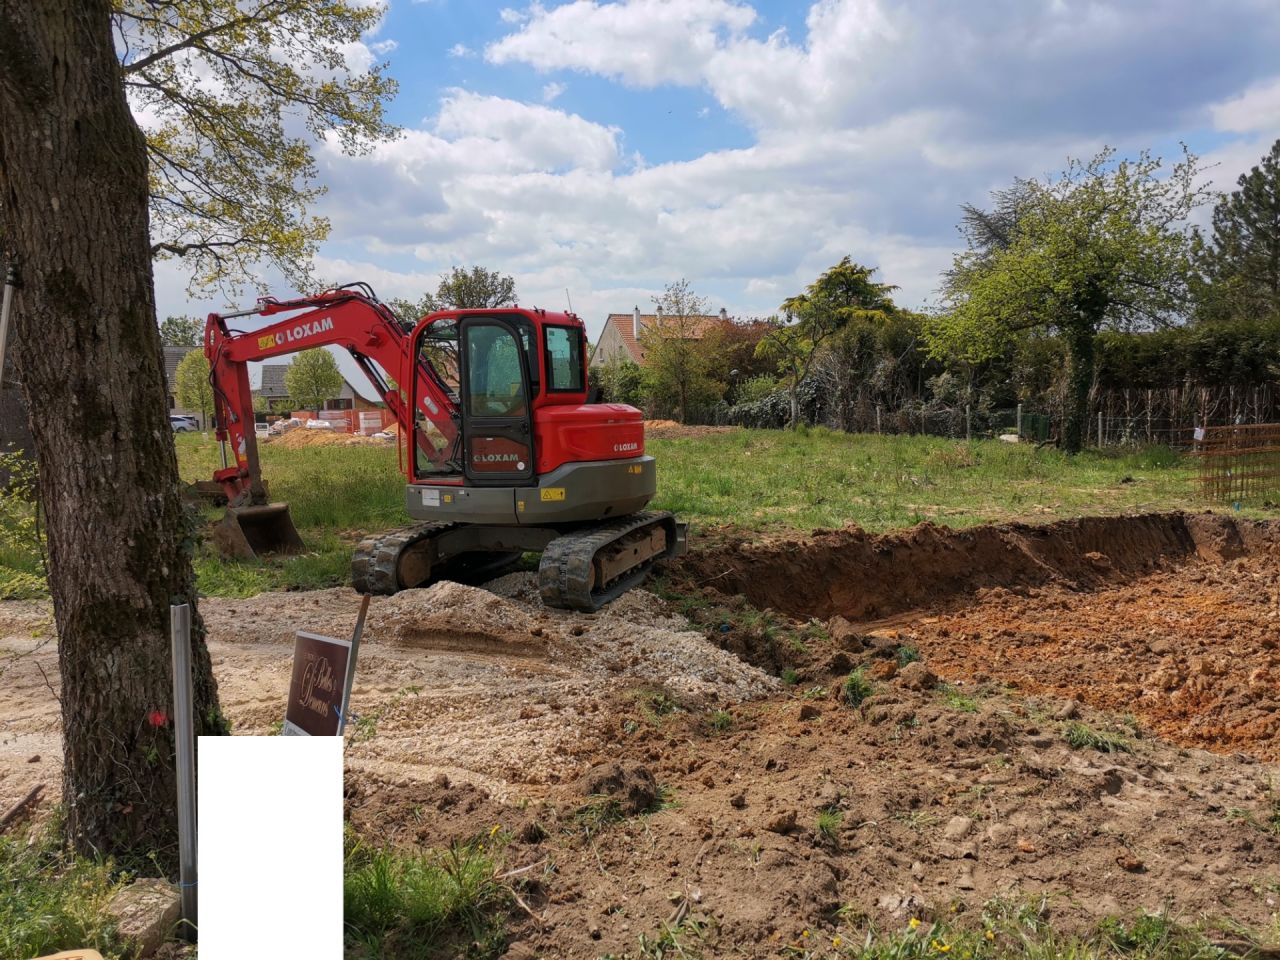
597	151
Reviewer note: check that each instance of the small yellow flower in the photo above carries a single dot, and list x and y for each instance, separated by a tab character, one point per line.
940	947
914	923
804	933
494	832
836	941
990	935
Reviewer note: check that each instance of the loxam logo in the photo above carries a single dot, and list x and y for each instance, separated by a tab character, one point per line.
625	447
495	458
300	332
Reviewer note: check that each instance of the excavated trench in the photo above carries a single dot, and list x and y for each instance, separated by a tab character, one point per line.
866	577
1172	619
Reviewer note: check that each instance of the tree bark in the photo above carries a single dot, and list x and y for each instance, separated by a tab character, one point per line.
1080	347
73	209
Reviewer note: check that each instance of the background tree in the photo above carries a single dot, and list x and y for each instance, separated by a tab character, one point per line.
621	381
191	385
843	293
230	179
181	331
1239	268
87	353
1103	245
474	288
678	355
313	378
459	289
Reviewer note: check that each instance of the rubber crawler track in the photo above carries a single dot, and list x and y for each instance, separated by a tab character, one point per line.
565	573
375	565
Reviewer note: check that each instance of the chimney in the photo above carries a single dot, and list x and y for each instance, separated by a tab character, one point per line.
635	323
724	314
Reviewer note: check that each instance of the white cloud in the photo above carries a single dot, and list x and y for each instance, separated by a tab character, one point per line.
1257	109
641	42
461	51
867	133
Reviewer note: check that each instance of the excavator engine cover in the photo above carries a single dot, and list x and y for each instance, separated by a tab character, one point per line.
247	533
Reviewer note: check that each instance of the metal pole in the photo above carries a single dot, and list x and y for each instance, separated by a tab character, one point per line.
10	284
1099	428
185	745
1019	428
968	422
351	664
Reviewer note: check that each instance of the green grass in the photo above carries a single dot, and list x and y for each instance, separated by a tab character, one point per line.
761	479
754	479
856	688
441	903
828	825
1006	932
956	700
51	900
1081	736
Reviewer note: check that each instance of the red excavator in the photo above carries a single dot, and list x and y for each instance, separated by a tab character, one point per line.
502	452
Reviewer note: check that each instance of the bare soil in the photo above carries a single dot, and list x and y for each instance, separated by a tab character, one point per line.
952	783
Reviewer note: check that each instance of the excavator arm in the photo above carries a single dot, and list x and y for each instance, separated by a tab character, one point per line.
352	319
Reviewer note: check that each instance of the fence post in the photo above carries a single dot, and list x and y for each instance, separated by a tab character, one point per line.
1018	429
1099	428
877	418
968	422
185	747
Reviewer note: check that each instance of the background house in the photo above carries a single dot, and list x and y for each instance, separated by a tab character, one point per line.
272	388
622	333
172	357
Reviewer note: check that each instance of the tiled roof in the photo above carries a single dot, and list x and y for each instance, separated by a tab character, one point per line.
695	328
172	357
273	380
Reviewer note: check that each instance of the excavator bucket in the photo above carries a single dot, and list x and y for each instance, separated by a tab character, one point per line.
247	533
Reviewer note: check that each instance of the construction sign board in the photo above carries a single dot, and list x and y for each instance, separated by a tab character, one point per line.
318	685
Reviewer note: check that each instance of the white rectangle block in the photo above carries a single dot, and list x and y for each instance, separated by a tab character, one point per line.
270	847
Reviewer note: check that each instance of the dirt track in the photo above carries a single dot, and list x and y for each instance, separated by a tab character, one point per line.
480	707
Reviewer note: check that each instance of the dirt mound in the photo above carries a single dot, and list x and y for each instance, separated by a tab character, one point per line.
296	439
673	430
631	787
865	576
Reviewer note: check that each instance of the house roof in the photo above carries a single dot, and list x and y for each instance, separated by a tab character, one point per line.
273	380
172	357
695	328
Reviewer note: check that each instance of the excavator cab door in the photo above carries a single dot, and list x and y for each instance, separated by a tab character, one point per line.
497	433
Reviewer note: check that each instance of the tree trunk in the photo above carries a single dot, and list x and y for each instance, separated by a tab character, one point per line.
1080	341
73	197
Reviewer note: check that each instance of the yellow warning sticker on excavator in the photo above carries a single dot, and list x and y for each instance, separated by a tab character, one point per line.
267	342
552	493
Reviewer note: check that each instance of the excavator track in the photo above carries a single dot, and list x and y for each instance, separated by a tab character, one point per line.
375	567
585	569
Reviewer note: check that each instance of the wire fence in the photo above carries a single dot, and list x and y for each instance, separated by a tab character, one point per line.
1239	463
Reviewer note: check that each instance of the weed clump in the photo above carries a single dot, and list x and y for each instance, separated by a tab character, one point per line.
1081	736
856	688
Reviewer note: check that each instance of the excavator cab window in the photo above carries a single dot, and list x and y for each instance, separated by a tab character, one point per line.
564	360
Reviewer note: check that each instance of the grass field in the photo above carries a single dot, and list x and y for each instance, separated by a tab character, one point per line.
754	480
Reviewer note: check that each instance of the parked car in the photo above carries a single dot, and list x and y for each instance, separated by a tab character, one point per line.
183	424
